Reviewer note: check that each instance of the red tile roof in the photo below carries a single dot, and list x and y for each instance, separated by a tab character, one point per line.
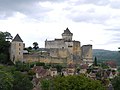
112	64
84	66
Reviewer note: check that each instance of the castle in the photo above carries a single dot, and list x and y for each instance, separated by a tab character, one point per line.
58	51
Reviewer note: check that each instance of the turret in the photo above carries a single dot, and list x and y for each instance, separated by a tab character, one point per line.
16	50
67	35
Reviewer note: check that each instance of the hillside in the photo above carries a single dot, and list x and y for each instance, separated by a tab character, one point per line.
104	55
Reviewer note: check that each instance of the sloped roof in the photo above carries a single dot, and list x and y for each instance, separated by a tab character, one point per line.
67	31
71	65
53	69
84	66
17	38
111	64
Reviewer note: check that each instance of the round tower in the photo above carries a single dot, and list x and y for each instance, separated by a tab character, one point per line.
16	50
67	35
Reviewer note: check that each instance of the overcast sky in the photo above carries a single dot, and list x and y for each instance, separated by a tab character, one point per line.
95	22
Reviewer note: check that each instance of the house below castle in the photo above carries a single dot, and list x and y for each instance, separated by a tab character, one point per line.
58	51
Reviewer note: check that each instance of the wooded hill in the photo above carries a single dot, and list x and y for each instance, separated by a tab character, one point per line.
105	55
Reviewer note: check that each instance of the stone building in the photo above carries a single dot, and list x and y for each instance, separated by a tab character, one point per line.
86	54
63	51
71	48
16	50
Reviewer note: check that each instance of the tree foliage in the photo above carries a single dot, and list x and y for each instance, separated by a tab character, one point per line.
21	82
6	81
4	47
20	66
10	79
8	36
58	67
116	83
105	55
35	45
95	61
40	64
45	84
74	83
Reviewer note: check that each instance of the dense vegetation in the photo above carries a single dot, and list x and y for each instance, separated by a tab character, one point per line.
116	83
79	82
4	47
11	76
105	55
12	79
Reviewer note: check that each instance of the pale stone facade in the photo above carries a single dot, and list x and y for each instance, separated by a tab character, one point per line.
72	47
63	51
87	54
16	50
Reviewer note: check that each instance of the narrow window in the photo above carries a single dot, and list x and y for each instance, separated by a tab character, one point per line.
69	46
19	44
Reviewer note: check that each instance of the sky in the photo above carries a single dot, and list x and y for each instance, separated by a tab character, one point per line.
95	22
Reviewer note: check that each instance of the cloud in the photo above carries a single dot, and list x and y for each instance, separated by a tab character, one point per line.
89	17
28	7
115	4
47	18
95	2
113	29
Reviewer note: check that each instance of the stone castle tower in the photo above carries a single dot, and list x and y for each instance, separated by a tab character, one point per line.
16	50
72	47
67	35
86	55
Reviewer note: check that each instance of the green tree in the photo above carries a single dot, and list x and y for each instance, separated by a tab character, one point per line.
35	45
3	58
95	61
6	81
4	48
45	84
40	64
116	83
75	83
21	82
31	74
29	49
104	66
20	66
8	36
58	67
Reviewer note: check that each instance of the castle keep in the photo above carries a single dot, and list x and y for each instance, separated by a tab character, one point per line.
61	51
16	49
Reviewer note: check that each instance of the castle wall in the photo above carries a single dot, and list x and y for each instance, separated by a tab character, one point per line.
76	48
38	58
57	43
60	53
69	46
87	51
